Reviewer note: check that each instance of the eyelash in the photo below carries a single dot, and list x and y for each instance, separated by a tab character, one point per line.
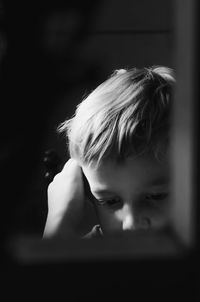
112	203
109	202
159	196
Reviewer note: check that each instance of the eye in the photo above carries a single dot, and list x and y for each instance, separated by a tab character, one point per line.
110	202
159	196
156	199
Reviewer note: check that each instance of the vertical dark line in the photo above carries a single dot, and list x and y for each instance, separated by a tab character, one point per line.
197	123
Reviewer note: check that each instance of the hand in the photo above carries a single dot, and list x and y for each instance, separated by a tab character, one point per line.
66	201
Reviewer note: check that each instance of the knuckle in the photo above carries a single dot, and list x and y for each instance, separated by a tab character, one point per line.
49	188
56	178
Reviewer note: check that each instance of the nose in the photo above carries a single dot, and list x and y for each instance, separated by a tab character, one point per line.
128	222
134	221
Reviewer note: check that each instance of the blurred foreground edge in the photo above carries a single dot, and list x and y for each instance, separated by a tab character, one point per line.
129	246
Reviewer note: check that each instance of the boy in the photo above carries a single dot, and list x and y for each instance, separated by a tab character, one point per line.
119	142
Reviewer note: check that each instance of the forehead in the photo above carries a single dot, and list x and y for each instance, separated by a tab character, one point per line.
138	172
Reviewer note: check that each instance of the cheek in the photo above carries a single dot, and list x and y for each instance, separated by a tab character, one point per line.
158	216
109	220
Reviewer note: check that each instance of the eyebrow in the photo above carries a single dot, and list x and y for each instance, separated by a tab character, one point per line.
103	191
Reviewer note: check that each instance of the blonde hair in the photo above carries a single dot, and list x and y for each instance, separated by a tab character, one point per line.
128	114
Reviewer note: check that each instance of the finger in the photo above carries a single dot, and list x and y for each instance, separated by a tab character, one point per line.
71	166
71	169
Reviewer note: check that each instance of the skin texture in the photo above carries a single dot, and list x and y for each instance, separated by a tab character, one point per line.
66	202
128	196
132	195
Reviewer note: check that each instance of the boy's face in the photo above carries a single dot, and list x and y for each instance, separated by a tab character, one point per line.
133	195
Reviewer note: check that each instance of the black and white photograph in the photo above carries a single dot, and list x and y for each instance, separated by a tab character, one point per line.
100	150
